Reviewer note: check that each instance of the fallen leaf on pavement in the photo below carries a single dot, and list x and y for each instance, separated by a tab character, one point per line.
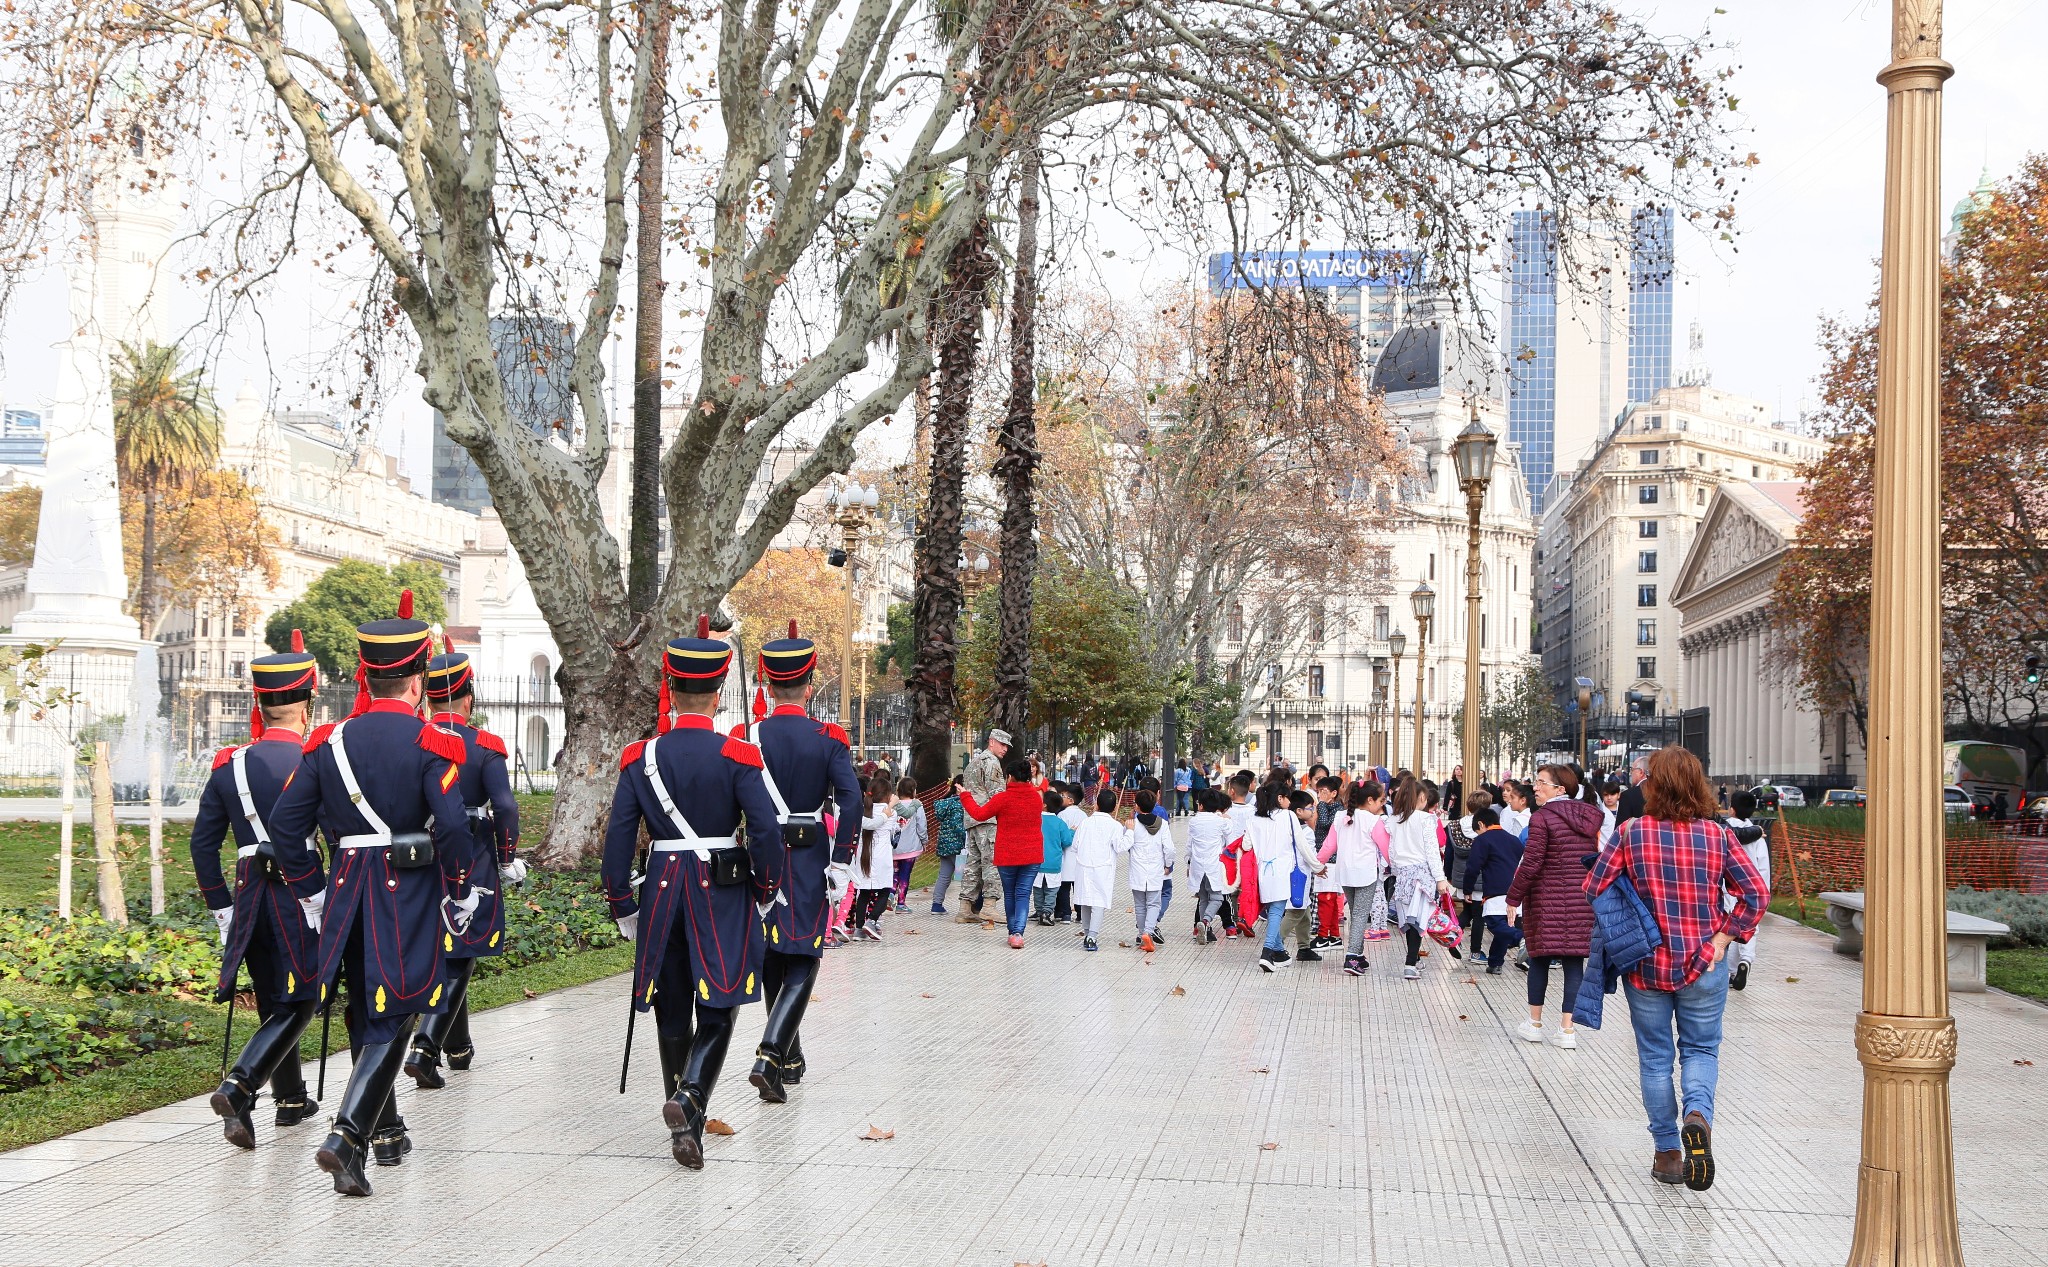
987	924
1124	945
1463	1017
1267	1148
716	1127
1471	980
1262	1069
924	996
1422	954
876	1132
1178	991
1792	980
2028	1063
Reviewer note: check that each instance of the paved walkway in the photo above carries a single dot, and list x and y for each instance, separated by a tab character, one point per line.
1057	1107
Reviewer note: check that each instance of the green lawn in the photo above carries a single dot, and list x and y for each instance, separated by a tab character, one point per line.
28	878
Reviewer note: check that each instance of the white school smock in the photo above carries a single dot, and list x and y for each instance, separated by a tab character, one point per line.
1094	853
1357	863
1207	834
1151	853
1272	842
1414	843
1073	816
882	874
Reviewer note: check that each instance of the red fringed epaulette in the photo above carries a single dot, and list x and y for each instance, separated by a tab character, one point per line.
485	739
743	752
319	736
632	753
738	732
833	730
444	744
224	756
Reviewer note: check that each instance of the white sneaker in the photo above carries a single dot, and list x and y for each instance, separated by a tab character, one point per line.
1411	973
1565	1038
1529	1031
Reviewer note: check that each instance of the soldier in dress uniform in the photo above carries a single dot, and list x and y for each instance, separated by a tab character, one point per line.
805	760
384	786
698	913
260	922
494	825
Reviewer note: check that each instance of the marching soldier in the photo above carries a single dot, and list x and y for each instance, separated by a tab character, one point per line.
260	922
383	786
805	760
698	914
494	826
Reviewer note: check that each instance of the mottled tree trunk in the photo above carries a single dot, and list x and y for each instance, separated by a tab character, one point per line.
1016	468
600	717
936	596
643	574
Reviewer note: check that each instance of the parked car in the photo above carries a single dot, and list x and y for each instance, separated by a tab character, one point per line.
1955	804
1778	796
1845	798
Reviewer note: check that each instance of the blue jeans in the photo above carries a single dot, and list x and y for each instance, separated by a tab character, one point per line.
1017	894
1165	898
1274	910
1696	1012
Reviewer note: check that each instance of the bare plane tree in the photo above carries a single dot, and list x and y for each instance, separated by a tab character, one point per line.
456	159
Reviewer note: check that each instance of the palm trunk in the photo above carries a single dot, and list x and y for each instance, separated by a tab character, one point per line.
643	532
1016	468
145	579
935	600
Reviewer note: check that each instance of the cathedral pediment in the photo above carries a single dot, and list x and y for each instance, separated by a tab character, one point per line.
1746	524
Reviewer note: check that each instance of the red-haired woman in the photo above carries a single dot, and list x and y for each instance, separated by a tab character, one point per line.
1682	860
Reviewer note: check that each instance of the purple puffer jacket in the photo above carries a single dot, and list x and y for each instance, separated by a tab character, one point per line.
1549	886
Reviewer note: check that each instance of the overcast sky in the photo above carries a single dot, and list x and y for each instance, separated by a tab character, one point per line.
1809	217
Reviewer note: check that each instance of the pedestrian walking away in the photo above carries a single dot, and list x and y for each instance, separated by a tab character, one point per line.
1356	850
1093	854
807	771
1415	855
1149	841
1752	837
950	837
261	925
1056	836
696	918
1547	889
1682	862
494	832
1019	845
383	786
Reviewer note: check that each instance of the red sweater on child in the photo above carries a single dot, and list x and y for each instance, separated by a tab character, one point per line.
1020	836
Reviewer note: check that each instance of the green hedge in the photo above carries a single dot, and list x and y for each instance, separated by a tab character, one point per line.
2025	913
90	957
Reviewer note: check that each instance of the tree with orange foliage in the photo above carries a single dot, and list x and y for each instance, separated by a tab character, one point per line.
1994	448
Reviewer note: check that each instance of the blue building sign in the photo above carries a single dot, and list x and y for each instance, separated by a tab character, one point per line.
1345	270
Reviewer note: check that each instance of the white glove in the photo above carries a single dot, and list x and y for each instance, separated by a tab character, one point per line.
762	908
514	872
313	906
837	877
457	915
224	917
629	926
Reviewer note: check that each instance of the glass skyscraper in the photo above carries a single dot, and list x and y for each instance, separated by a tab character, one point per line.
534	355
1643	309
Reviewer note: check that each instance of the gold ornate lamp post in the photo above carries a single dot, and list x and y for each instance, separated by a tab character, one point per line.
851	506
1424	602
1473	452
1905	1189
1397	642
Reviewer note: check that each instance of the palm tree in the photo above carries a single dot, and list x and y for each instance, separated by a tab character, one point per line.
166	430
1016	466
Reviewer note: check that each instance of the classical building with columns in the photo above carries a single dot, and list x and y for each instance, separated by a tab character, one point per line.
1746	718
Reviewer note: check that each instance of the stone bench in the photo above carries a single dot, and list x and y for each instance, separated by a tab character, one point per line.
1969	939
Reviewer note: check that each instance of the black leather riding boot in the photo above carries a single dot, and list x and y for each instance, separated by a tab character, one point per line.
685	1111
363	1107
797	974
423	1062
271	1055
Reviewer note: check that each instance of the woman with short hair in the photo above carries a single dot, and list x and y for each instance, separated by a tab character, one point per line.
1681	860
1557	920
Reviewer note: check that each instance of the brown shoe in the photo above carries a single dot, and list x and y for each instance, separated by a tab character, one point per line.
1697	1139
967	917
1668	1167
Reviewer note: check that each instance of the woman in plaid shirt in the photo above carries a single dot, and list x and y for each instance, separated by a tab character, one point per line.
1681	861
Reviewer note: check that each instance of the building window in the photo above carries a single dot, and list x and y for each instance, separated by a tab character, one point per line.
1646	528
1646	633
1646	666
1646	596
1273	628
1432	681
1315	681
1381	624
1315	745
1647	457
1318	625
1755	472
1237	622
1699	497
1482	629
1647	495
1432	567
1646	561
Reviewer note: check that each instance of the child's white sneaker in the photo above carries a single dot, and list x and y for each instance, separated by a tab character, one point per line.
1529	1031
1411	973
1565	1038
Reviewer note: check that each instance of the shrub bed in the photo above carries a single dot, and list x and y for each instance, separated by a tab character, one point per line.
90	957
42	1045
2025	913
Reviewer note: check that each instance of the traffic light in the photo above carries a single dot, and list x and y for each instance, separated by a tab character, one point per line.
2033	670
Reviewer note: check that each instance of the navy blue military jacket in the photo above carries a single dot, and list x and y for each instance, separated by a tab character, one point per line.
485	784
715	783
808	759
408	773
259	902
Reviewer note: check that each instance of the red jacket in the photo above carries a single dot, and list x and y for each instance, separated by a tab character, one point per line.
1020	838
